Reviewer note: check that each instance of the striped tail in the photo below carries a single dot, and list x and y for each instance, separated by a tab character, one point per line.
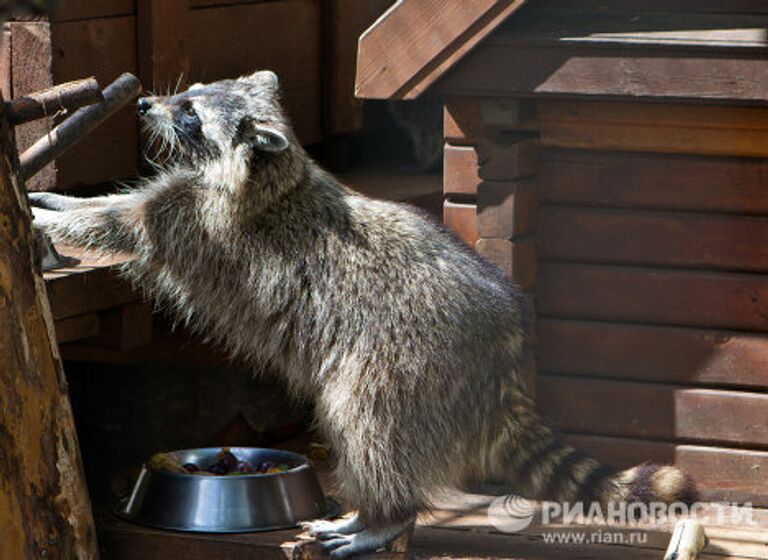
531	457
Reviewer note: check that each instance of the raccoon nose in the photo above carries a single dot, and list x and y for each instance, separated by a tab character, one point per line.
143	105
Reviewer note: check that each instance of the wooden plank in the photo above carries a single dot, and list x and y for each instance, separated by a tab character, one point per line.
693	31
654	411
506	210
77	328
45	510
608	73
460	173
104	48
162	30
293	56
87	9
517	259
466	120
31	56
500	158
5	63
415	43
684	6
343	23
696	299
645	353
722	474
709	241
461	218
85	292
653	181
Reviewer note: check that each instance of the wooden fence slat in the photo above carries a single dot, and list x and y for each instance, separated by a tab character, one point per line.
461	218
653	239
646	353
654	411
698	299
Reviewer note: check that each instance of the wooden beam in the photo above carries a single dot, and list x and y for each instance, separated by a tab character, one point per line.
45	511
415	42
609	72
162	31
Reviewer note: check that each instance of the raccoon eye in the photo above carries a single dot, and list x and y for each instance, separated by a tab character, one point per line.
188	109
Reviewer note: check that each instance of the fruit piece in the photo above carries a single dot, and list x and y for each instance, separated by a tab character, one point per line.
165	462
227	459
245	468
191	468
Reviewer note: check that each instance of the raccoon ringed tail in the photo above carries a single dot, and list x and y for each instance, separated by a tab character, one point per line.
540	466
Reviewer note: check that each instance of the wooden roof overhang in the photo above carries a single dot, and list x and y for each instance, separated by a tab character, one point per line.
549	48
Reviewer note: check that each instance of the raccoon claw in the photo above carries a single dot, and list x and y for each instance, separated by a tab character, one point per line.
341	547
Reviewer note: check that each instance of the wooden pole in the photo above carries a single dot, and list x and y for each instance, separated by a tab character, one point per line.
44	506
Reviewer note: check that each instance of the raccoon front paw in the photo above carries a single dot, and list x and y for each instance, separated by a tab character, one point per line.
323	529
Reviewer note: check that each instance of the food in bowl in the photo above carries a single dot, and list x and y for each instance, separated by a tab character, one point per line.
227	464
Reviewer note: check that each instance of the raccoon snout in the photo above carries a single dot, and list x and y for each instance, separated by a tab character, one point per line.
143	105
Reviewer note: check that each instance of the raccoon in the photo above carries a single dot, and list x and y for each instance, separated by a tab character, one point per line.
408	343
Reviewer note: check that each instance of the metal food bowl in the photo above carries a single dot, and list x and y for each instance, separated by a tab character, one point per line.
227	504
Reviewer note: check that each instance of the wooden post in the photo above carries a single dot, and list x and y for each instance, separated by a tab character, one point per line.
490	192
163	60
44	506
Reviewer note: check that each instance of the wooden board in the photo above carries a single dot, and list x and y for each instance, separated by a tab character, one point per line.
698	299
663	239
70	10
30	44
104	48
649	353
497	158
415	43
517	259
92	285
251	37
552	70
653	181
461	218
460	172
722	474
162	31
689	129
506	210
343	23
467	120
654	411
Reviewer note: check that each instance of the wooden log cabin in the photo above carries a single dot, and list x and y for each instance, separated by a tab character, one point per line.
611	157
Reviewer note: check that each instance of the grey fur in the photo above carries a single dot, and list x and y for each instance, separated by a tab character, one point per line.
409	344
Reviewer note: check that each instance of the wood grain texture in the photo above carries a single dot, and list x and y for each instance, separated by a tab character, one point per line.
654	411
722	474
162	31
45	511
460	173
461	218
415	43
343	23
608	73
293	55
664	239
666	128
104	48
665	297
77	328
506	210
466	120
653	181
31	56
70	10
649	353
516	259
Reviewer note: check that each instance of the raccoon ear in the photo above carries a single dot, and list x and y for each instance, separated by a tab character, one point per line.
264	79
267	139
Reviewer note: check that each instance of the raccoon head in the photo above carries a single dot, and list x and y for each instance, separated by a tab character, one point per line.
223	126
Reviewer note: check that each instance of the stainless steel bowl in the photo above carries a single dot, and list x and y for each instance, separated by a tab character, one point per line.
227	504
